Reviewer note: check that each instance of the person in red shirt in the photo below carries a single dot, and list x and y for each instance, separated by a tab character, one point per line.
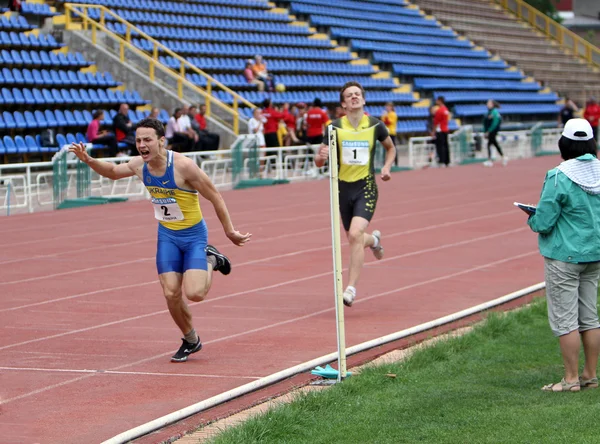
272	117
316	119
592	115
440	125
209	141
289	118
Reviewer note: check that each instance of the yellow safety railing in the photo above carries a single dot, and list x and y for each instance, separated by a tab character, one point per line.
553	29
81	11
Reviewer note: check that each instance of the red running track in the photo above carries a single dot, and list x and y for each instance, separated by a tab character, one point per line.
86	338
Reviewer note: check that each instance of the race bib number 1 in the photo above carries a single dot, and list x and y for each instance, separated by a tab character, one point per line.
167	209
355	152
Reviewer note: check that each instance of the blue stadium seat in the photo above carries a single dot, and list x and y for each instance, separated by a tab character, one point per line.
20	145
9	145
61	140
32	146
30	120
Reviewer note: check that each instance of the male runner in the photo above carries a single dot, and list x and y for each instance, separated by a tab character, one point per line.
357	134
183	258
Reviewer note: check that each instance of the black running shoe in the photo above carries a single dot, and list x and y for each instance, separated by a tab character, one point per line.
223	263
186	349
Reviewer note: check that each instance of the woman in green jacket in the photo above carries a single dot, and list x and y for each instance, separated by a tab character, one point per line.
491	126
567	219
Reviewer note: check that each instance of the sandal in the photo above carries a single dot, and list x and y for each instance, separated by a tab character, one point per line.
564	386
588	383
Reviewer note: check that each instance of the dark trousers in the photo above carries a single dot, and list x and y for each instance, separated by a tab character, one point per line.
396	149
181	143
110	141
492	141
441	147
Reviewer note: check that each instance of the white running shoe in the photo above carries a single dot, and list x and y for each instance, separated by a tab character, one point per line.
377	251
488	163
349	296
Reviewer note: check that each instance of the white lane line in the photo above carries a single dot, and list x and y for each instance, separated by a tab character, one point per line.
269	287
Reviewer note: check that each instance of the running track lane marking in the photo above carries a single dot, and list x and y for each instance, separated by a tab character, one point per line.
269	287
317	313
401	233
267	239
212	218
116	372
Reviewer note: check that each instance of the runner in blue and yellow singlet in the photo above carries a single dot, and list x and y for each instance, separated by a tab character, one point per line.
184	259
357	136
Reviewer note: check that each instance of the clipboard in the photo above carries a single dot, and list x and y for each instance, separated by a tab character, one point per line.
529	209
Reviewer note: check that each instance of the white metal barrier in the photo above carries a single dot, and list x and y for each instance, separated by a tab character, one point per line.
28	187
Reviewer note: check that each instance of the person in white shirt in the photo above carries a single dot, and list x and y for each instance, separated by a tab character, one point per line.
177	138
256	126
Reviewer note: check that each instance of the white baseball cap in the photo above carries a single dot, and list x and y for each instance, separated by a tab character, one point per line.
578	129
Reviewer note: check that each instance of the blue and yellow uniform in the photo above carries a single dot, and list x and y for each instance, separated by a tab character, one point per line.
182	232
356	155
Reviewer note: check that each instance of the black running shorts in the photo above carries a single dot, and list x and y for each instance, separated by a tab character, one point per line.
357	199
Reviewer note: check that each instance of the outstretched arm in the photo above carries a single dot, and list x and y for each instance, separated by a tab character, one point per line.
202	183
106	169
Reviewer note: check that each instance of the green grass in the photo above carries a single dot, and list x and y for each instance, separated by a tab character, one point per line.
483	387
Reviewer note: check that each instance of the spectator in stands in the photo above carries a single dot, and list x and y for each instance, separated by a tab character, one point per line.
256	126
251	78
260	72
567	112
440	124
339	112
271	125
123	128
102	137
316	119
210	141
491	127
592	115
14	5
431	131
185	125
289	119
390	119
154	113
567	219
301	122
178	139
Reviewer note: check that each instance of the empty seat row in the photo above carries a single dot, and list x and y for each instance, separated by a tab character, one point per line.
388	19
58	118
14	22
190	20
41	9
35	96
209	35
188	7
18	39
24	145
309	96
43	58
203	23
52	77
530	108
470	84
246	50
482	96
383	7
434	71
274	65
398	48
299	81
344	32
390	29
459	62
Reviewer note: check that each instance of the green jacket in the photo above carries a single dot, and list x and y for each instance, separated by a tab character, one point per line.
491	121
568	213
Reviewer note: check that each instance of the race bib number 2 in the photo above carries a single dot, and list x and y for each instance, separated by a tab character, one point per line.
355	152
167	210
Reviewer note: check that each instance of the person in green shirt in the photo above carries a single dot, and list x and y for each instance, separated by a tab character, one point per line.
567	219
491	126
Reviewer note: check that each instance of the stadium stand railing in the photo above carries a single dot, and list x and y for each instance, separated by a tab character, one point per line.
95	18
554	30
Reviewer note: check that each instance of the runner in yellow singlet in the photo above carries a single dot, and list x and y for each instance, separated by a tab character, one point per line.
357	135
184	259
